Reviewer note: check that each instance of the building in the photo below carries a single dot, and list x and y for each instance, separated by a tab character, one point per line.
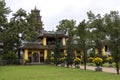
37	51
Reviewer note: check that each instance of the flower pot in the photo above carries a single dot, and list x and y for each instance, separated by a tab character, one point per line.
98	68
77	66
62	64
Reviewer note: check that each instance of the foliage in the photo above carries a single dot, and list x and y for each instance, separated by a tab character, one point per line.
90	59
4	11
112	21
98	61
92	54
68	26
70	53
52	59
57	53
62	60
77	61
48	60
11	55
35	23
26	61
109	59
97	29
83	39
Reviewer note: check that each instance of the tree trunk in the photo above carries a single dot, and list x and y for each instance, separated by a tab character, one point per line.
67	65
117	67
85	59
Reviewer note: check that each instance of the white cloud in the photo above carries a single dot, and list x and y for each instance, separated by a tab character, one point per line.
52	11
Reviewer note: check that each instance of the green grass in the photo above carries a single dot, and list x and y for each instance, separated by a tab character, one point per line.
50	72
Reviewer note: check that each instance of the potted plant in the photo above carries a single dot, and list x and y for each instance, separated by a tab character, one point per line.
77	62
98	61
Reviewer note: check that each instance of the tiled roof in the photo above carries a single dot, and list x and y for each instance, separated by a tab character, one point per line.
38	46
52	34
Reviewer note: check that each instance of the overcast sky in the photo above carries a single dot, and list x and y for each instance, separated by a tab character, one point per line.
53	11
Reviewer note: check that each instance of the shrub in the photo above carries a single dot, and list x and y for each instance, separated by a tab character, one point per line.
109	59
90	59
77	61
62	60
98	61
52	59
27	60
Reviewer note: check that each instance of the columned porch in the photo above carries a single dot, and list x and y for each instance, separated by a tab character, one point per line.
34	56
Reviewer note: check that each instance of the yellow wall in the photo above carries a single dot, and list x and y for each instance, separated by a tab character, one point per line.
45	54
96	51
103	51
64	41
44	41
65	52
26	55
75	53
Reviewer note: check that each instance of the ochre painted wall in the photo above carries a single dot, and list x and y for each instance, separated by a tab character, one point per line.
25	55
75	53
64	41
44	41
45	54
103	51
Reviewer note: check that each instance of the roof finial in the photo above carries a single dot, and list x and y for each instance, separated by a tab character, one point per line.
35	7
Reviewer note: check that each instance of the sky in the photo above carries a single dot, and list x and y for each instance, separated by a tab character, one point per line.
53	11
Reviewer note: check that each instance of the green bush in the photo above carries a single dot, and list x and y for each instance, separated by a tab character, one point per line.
77	61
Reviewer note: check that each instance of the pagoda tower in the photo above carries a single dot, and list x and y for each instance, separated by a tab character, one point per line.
37	19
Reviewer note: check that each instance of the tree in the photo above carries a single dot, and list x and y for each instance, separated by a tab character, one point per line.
69	27
112	21
96	26
35	24
18	25
57	53
82	41
4	11
70	52
49	56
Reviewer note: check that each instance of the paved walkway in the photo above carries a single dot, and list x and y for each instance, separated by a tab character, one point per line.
104	69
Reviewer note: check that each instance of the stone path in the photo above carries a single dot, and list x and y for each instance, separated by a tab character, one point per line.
105	69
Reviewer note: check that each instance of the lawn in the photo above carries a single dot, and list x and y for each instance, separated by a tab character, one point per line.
51	72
